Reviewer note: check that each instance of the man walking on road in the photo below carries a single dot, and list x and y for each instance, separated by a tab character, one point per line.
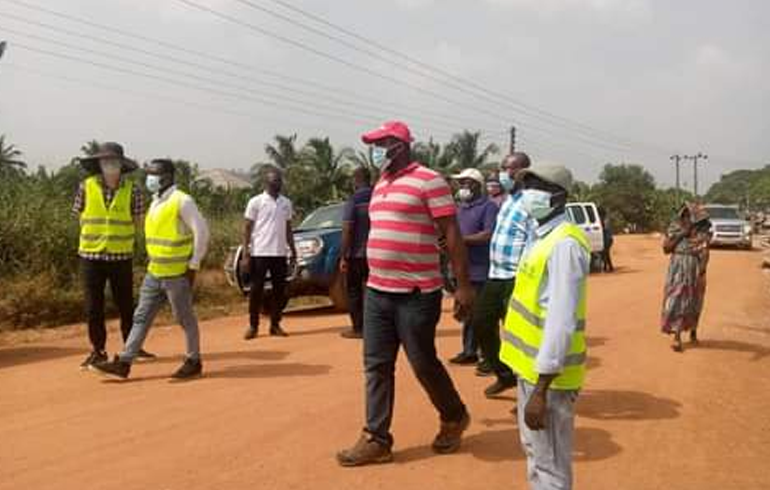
544	336
508	241
476	216
355	233
403	299
267	238
109	207
177	238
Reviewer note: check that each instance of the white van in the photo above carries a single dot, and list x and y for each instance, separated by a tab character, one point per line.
586	216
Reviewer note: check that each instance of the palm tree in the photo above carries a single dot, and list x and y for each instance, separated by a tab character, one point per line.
466	151
9	156
284	153
90	148
330	167
434	156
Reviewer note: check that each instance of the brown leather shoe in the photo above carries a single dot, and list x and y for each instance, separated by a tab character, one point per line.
277	331
351	334
366	451
451	434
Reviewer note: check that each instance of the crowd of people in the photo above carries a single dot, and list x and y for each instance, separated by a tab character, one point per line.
520	271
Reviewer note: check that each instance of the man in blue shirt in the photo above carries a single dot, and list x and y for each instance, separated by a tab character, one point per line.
355	233
476	216
508	241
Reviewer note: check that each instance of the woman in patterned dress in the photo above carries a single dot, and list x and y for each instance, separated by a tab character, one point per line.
687	241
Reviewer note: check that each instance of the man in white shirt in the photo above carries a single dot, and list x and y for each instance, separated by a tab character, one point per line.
268	239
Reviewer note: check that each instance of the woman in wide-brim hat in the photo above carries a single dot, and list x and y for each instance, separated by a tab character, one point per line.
109	150
687	241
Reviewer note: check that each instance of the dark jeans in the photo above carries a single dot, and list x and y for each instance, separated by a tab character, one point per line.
358	274
278	268
470	345
120	274
607	265
409	319
489	312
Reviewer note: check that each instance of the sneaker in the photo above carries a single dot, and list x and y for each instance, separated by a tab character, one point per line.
366	451
352	334
484	369
277	331
251	333
192	368
144	356
95	357
499	386
451	434
116	368
463	359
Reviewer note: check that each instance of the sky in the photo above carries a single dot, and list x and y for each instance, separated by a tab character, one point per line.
585	82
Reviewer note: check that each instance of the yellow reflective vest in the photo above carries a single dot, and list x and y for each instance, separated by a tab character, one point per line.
107	230
169	250
523	331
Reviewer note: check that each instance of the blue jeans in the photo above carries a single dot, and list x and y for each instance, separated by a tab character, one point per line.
152	295
391	320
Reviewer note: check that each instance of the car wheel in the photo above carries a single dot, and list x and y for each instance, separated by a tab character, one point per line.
338	293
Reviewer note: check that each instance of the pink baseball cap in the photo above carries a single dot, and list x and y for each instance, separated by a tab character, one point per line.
396	129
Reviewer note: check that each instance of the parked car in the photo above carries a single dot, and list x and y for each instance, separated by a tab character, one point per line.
586	216
318	239
729	228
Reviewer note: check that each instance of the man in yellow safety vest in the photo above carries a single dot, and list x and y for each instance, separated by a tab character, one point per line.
177	238
109	207
543	341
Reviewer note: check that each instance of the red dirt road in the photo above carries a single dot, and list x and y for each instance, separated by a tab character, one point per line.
271	413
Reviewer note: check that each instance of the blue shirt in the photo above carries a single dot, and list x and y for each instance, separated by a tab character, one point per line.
356	212
509	239
475	217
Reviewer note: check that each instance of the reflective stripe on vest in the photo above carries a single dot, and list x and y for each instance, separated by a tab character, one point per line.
523	332
169	249
107	230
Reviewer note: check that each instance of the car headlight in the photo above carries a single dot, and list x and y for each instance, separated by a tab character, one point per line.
309	247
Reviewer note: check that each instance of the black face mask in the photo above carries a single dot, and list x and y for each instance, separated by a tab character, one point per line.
274	187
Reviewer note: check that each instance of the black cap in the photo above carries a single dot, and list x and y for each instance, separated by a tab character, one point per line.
164	165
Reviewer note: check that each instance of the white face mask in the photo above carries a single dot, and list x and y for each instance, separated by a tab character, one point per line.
536	203
380	158
153	183
464	195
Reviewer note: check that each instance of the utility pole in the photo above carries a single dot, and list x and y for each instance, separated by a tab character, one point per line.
695	158
676	159
3	45
513	140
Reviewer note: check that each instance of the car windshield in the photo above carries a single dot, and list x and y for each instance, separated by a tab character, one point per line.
326	217
723	213
577	214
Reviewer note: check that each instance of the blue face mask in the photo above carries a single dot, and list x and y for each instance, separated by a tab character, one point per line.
380	158
506	182
153	183
536	203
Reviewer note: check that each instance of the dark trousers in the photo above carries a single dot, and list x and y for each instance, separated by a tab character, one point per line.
470	345
391	320
120	274
607	265
278	268
358	274
489	312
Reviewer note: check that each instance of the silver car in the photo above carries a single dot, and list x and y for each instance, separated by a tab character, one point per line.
729	227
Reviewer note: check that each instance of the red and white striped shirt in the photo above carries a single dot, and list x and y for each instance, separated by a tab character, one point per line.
402	250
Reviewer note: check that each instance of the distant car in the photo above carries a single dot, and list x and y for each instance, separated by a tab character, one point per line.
586	216
318	240
729	228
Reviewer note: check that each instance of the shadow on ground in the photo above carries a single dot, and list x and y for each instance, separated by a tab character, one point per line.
16	356
625	405
759	351
246	371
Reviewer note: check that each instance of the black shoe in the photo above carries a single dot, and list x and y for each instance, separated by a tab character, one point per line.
112	369
144	356
94	358
352	334
277	331
499	386
251	333
192	368
484	369
464	359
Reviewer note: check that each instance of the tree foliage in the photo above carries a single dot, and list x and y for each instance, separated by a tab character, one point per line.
749	188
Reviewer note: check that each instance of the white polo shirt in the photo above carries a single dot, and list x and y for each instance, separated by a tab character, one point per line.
270	217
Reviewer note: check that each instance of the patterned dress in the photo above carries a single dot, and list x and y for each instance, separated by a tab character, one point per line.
685	282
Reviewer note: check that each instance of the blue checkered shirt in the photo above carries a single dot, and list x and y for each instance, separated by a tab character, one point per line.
509	239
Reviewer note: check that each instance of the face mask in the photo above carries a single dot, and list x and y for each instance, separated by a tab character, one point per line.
380	158
506	181
464	195
536	203
153	183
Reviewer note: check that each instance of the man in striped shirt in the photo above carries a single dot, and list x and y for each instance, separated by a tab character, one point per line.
410	206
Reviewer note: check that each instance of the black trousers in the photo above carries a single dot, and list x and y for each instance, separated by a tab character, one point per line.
488	314
278	268
120	274
358	274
